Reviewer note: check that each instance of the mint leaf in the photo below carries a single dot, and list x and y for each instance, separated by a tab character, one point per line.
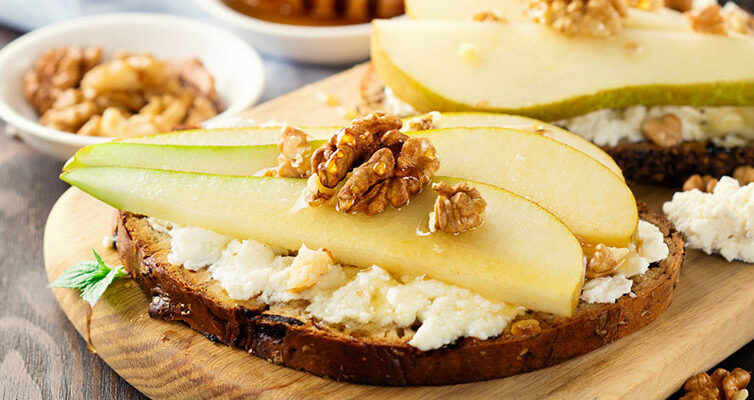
90	277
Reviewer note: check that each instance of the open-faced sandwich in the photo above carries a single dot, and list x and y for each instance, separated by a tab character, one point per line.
381	254
665	88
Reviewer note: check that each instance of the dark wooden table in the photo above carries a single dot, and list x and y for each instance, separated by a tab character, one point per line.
41	355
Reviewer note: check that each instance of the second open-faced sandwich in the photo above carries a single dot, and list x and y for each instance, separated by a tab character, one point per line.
383	255
666	88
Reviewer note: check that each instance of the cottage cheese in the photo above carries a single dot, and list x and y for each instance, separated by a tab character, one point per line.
725	126
397	106
196	248
607	289
719	222
649	248
248	268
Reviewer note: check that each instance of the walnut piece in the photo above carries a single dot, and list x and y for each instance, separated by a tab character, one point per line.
131	95
307	267
646	5
525	327
744	174
423	122
720	385
664	131
707	20
604	261
737	20
599	18
487	16
736	381
458	209
293	160
679	5
388	166
55	71
704	183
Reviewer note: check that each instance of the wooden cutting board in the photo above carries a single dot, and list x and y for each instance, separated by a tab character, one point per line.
709	319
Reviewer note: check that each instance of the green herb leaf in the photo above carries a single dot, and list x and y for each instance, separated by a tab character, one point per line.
90	277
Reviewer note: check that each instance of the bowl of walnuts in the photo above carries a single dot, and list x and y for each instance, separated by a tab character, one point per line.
93	79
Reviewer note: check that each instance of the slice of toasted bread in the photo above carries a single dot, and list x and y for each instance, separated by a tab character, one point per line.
284	334
643	162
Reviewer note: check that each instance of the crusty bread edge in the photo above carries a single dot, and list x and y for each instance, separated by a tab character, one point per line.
306	346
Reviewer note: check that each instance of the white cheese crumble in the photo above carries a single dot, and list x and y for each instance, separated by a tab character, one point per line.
247	269
725	126
607	289
718	222
397	106
196	248
650	248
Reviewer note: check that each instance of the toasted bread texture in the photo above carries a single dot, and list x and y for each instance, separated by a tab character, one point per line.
284	334
642	162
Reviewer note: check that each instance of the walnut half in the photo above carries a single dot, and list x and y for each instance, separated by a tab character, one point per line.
457	209
385	166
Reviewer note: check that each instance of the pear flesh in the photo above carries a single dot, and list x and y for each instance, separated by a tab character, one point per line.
593	201
529	69
522	254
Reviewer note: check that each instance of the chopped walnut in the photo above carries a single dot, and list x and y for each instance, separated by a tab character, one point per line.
679	5
487	16
705	183
744	174
707	20
307	267
604	261
525	327
192	75
131	95
737	20
388	166
423	122
457	209
598	18
720	385
664	131
57	70
293	161
646	5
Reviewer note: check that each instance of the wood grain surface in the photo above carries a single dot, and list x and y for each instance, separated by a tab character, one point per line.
709	319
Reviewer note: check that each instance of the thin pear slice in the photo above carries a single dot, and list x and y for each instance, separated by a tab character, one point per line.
114	154
521	254
225	136
592	201
532	70
515	11
215	159
479	119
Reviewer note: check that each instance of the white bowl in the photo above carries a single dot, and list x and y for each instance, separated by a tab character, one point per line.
326	45
236	67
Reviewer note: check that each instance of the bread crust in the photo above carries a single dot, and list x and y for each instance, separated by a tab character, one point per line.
287	339
642	162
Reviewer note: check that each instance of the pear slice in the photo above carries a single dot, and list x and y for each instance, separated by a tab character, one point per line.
114	154
593	201
515	11
226	136
521	254
551	76
479	119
